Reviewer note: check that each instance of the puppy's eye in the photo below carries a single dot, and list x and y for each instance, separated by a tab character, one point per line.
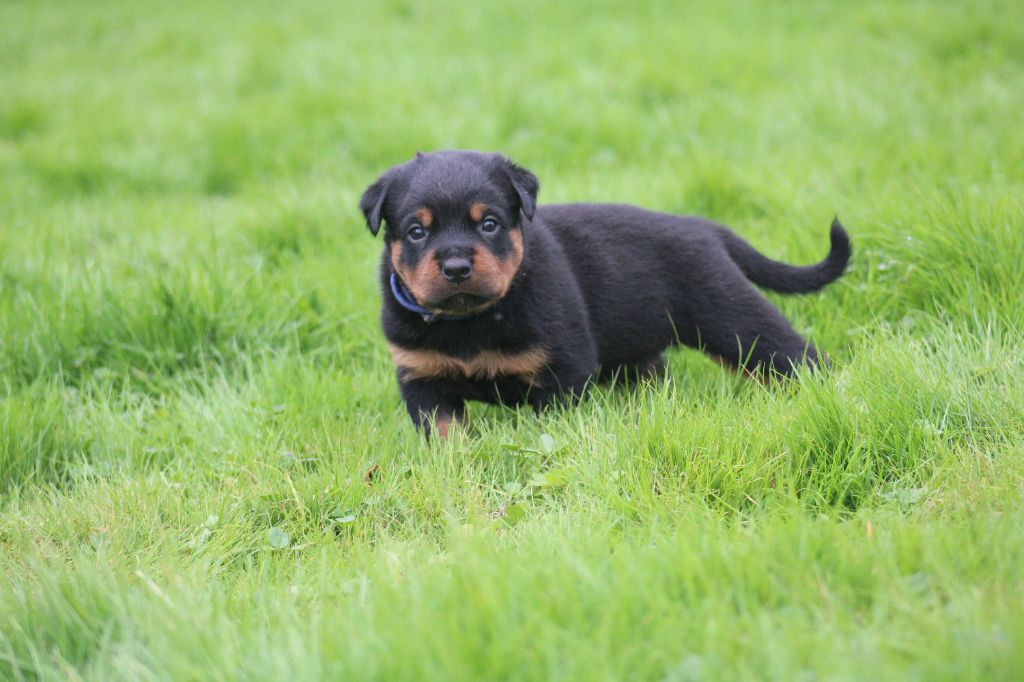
416	233
489	225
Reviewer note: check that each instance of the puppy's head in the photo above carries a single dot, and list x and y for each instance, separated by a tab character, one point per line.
454	226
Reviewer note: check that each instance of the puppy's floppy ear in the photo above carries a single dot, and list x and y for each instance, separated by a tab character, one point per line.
372	202
526	186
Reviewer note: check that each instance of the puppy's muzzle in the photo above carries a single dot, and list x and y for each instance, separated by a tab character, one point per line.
456	269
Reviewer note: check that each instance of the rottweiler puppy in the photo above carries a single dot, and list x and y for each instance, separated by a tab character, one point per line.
487	296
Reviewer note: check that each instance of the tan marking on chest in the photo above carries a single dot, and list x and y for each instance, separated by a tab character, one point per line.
488	365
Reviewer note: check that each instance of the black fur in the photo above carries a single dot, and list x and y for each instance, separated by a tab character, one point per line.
601	288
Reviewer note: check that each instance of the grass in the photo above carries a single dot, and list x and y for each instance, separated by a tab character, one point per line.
193	385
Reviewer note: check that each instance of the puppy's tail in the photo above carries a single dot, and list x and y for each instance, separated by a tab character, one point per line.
790	279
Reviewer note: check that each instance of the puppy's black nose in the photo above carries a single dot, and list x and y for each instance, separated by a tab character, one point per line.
456	270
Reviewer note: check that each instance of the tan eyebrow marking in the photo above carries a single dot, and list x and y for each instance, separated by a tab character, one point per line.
425	216
477	211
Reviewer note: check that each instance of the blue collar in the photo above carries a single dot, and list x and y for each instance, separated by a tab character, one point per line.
405	299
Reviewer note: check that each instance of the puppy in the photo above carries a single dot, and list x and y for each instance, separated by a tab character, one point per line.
487	296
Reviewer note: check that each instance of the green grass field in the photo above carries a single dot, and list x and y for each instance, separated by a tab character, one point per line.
193	383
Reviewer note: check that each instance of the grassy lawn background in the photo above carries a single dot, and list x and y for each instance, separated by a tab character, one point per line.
190	355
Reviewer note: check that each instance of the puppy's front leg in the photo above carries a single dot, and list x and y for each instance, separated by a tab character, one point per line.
426	400
565	383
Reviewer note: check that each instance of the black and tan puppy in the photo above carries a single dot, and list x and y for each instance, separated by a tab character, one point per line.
489	297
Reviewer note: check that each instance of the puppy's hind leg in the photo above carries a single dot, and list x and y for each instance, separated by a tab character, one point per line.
742	329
